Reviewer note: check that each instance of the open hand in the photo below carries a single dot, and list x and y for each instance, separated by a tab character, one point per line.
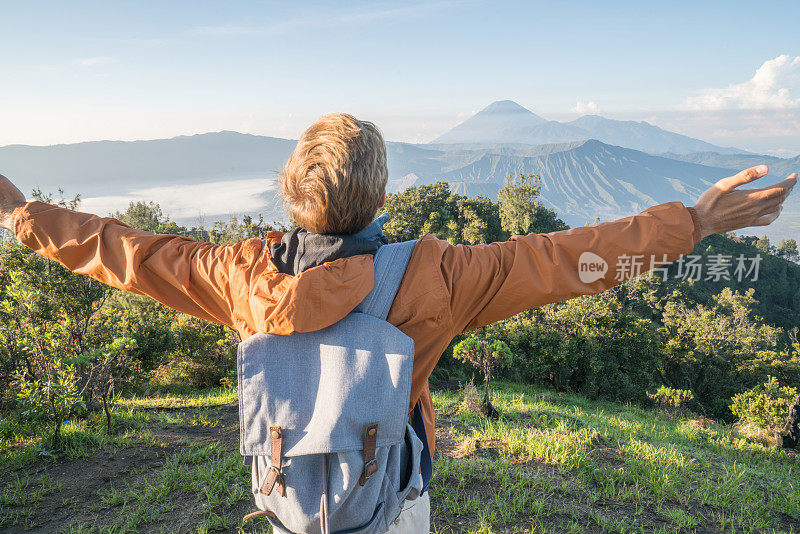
10	199
723	208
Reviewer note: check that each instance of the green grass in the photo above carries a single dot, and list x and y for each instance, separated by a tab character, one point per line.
183	398
551	463
25	492
23	443
684	476
207	474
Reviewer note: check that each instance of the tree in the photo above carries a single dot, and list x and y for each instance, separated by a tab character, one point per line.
763	245
233	231
52	397
595	345
433	209
787	249
486	357
64	202
149	217
109	365
142	215
61	339
721	349
521	211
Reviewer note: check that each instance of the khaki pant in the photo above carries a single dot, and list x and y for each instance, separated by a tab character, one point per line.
415	518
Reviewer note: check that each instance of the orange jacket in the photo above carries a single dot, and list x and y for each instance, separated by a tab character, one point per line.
448	289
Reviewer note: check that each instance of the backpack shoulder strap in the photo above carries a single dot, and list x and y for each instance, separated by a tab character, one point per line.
390	267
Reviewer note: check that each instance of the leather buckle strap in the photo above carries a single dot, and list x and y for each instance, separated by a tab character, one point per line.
370	465
260	513
274	475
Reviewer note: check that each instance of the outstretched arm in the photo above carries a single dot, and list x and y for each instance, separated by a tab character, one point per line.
487	283
187	275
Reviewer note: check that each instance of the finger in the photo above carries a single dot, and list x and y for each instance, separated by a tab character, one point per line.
769	196
769	218
784	186
771	199
744	177
769	208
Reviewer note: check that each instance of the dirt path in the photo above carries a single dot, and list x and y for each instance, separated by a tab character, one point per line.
67	492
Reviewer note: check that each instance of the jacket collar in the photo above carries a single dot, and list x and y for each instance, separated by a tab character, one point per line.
300	250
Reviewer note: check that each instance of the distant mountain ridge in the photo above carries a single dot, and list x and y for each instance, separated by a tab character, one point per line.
212	176
580	180
778	167
110	167
503	121
506	122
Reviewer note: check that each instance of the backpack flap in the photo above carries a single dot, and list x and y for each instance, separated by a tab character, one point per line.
323	388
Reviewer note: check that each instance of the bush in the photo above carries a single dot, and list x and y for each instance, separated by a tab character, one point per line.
108	366
590	345
765	406
52	398
720	350
485	356
202	355
147	322
670	398
471	398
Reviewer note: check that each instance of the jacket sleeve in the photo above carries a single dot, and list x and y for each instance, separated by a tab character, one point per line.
487	283
184	274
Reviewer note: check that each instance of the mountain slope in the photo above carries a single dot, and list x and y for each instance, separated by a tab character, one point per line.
729	161
210	177
581	180
506	122
778	167
113	167
643	136
500	122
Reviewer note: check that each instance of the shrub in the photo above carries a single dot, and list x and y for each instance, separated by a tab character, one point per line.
766	405
108	366
203	353
53	397
147	322
720	350
484	356
670	398
471	398
591	345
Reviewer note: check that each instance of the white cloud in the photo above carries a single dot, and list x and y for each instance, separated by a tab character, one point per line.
184	202
586	108
775	85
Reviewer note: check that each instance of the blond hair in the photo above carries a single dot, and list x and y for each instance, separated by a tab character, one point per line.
335	179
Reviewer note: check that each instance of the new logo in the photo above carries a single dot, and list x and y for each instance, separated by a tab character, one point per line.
591	267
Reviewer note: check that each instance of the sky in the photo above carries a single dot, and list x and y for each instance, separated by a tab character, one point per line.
726	72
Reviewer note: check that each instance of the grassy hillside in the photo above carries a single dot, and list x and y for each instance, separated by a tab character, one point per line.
551	463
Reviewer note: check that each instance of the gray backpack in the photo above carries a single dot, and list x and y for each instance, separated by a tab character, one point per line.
324	417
